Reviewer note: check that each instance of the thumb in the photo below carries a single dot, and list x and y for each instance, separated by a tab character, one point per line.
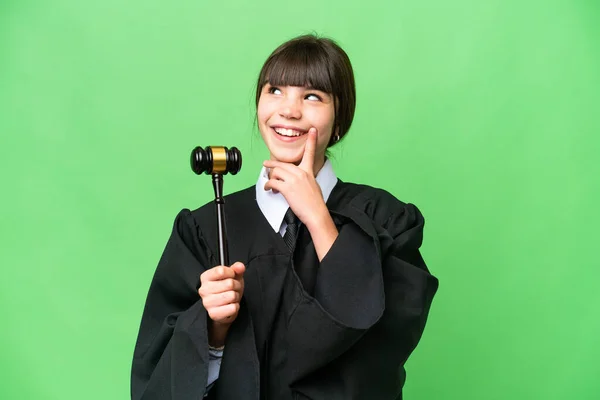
239	269
308	159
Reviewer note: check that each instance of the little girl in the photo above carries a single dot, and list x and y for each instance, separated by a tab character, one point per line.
329	293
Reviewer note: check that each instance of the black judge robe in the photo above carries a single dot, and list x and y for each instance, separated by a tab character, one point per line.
339	329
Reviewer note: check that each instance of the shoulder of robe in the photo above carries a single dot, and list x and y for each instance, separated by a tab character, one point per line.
383	208
236	203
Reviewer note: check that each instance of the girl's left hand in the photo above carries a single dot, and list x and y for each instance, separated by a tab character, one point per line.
299	186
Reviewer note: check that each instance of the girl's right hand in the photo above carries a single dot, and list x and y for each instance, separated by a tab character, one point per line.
221	289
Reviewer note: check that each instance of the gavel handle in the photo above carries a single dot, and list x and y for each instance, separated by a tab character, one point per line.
220	202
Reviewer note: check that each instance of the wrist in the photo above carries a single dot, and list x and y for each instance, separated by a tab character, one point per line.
320	221
217	332
323	233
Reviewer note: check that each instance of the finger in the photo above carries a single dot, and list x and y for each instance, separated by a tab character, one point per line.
274	165
275	185
239	269
214	287
308	159
217	273
224	313
221	299
283	174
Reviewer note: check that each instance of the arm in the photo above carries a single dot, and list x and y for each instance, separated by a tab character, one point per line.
371	301
171	353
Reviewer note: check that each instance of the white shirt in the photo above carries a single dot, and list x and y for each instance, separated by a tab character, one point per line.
273	206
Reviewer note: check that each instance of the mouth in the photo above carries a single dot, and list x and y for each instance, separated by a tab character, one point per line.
288	132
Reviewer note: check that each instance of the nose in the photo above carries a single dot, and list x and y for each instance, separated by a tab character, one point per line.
291	108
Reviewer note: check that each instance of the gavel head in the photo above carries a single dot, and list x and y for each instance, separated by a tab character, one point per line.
216	160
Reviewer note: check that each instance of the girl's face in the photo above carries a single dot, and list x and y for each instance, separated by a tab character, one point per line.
286	113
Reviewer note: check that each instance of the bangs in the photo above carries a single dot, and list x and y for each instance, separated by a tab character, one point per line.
305	64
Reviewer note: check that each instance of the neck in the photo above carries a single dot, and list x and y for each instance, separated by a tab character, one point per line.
318	165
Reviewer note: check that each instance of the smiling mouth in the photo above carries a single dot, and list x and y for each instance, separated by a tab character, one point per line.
288	132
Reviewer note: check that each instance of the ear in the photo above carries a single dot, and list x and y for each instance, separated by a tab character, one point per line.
335	134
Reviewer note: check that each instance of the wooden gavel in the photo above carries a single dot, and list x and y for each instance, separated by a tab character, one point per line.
218	161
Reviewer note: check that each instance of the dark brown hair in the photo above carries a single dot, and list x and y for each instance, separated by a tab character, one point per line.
318	63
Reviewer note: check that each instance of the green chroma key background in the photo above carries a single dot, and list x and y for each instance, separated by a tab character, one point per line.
483	113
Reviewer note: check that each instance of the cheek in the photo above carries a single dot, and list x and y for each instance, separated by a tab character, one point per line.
260	114
324	137
322	120
262	111
262	118
326	127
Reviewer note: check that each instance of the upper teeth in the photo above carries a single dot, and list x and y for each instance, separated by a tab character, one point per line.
288	132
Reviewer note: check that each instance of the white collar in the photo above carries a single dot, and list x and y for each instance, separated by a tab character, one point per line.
274	205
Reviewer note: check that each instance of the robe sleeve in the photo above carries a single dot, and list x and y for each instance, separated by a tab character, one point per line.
372	297
171	353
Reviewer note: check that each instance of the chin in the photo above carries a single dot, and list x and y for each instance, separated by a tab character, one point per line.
294	160
287	158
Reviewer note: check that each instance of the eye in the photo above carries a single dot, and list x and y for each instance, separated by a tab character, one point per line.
274	90
313	97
